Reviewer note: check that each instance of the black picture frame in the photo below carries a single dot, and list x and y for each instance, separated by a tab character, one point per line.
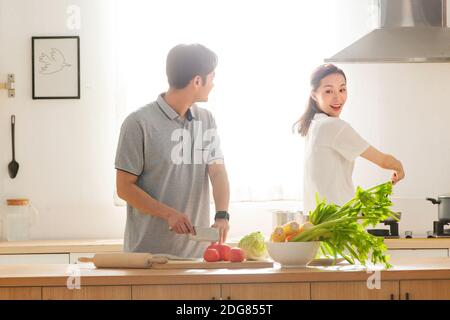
52	76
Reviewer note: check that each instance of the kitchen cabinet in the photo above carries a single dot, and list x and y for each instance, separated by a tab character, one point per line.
21	293
418	253
248	291
266	291
34	259
354	290
425	289
87	293
177	292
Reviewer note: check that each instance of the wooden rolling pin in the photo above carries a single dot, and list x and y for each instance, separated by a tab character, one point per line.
124	260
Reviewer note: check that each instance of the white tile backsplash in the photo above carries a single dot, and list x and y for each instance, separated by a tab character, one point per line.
417	215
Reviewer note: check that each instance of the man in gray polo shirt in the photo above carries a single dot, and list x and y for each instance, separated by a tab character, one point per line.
168	152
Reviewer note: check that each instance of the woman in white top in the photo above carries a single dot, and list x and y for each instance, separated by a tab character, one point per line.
332	145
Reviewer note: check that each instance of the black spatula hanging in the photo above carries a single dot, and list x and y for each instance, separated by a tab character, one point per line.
13	166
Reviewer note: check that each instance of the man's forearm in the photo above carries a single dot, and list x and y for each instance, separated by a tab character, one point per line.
221	191
139	199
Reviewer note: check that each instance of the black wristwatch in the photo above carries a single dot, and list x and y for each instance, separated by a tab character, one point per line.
222	215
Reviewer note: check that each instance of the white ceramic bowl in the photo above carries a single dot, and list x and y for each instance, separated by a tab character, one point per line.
293	254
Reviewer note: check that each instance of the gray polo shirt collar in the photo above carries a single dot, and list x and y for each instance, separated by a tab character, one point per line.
170	113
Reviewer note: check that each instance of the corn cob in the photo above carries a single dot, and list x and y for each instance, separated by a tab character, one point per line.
290	228
278	235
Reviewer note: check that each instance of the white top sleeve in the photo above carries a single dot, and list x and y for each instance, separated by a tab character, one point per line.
349	143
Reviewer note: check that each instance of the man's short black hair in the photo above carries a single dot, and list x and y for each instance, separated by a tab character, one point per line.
185	61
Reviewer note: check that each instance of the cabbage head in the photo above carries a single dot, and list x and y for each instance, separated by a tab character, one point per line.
254	246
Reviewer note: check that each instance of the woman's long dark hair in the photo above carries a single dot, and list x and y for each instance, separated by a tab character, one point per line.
302	125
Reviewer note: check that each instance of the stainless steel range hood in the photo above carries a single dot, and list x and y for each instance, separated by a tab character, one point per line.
410	31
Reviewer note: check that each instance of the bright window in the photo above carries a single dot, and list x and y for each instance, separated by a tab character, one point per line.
266	50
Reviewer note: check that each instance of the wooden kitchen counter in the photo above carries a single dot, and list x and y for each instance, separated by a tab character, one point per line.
61	246
409	279
116	245
57	274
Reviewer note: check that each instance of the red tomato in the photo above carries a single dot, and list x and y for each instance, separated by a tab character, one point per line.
211	255
214	245
224	251
237	255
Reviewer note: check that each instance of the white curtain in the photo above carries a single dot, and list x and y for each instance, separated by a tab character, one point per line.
267	50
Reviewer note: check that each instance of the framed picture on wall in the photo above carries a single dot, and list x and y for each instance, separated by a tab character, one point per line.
56	67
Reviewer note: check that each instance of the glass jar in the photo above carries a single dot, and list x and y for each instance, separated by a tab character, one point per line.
20	216
281	217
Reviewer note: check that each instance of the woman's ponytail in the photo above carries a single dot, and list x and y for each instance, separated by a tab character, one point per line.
302	125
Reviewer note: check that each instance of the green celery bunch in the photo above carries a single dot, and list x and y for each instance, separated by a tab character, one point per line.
341	229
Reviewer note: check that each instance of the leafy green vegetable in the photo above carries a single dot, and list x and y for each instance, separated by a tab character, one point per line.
341	229
254	246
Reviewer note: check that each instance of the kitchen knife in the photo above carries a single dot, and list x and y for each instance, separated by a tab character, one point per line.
205	234
173	257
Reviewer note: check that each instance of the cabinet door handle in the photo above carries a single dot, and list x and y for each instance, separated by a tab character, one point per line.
228	298
213	298
392	296
407	296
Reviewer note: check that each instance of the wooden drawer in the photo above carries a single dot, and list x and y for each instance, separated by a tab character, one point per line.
20	293
177	292
425	289
87	293
357	290
266	291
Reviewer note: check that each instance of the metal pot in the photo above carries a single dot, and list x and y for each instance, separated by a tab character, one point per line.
444	207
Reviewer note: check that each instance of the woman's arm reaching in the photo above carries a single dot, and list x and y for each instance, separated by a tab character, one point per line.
385	161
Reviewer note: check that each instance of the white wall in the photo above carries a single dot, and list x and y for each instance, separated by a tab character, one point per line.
64	147
404	110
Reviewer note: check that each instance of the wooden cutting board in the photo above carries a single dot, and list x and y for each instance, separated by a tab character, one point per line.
177	264
146	261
